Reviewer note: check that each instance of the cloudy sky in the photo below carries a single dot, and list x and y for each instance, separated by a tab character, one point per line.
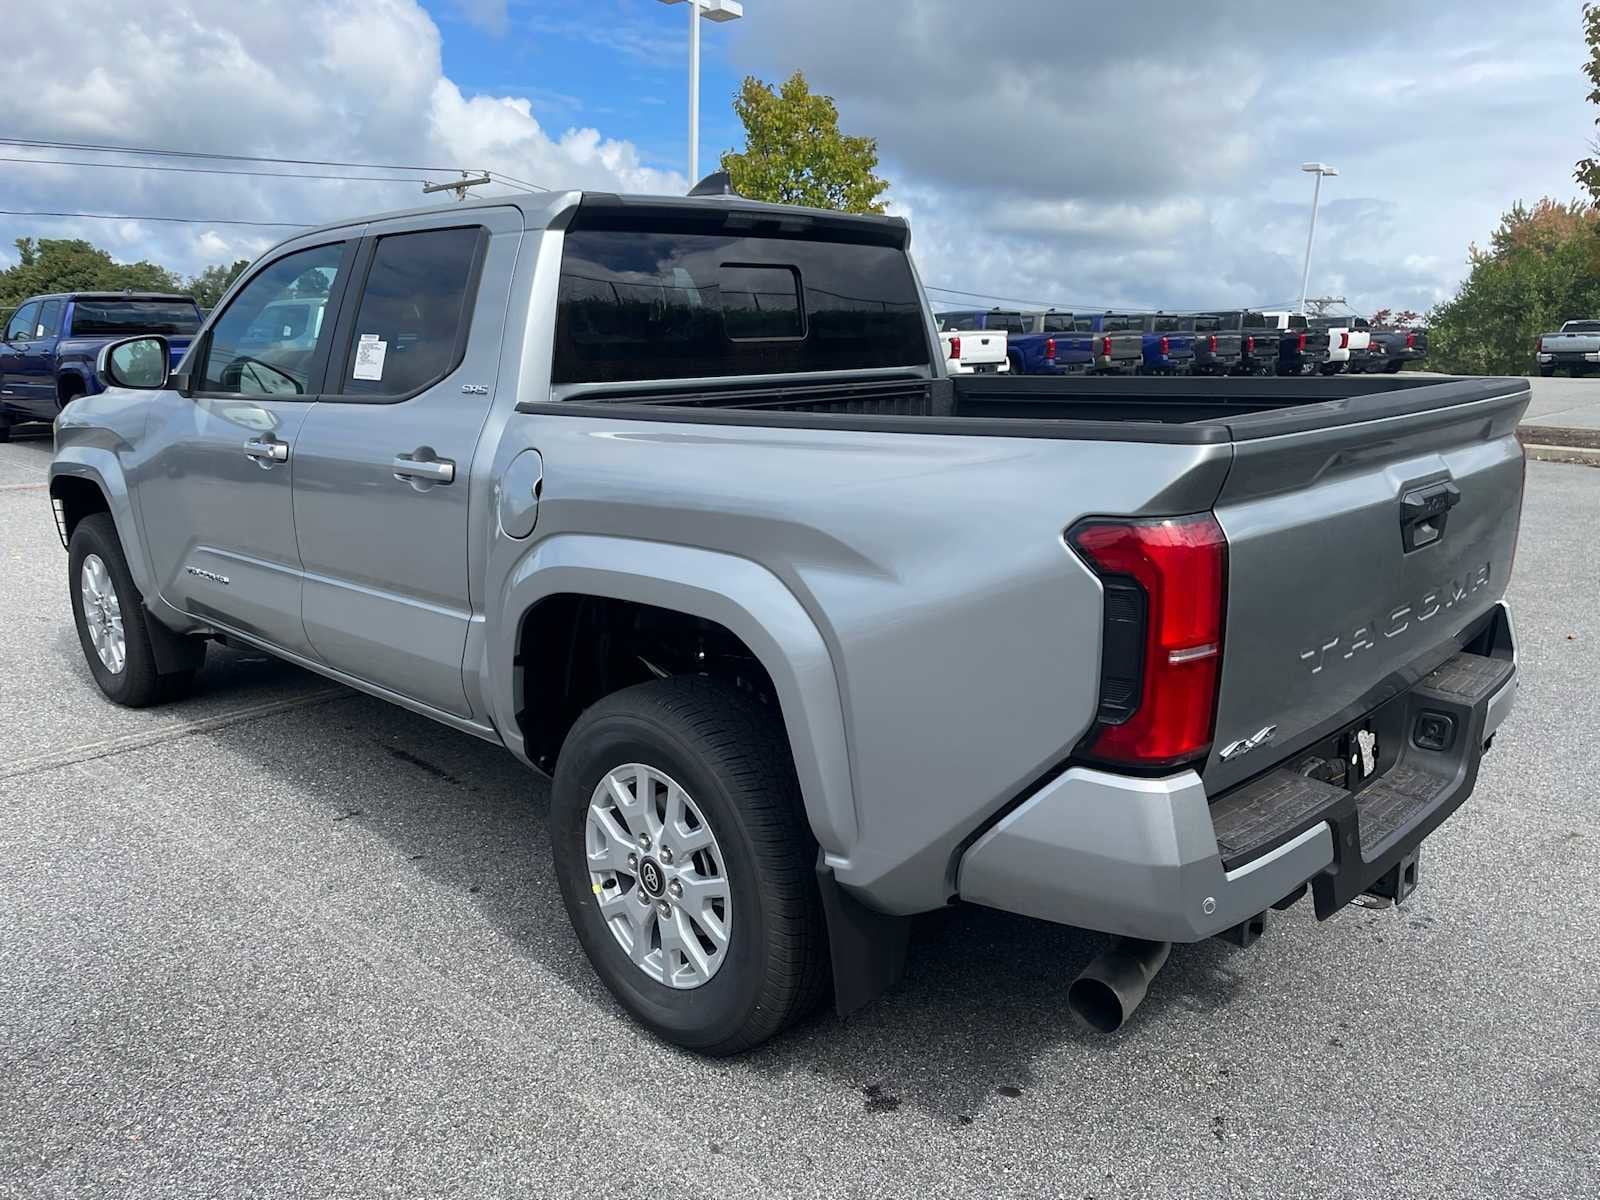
1081	155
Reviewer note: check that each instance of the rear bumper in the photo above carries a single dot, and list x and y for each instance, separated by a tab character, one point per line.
1157	859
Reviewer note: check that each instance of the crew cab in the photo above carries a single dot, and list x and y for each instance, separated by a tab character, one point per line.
47	355
675	499
1349	342
1576	347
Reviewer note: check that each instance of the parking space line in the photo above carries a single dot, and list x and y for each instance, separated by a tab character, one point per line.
88	751
22	487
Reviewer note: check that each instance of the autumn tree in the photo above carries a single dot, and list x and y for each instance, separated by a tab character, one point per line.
795	154
1541	267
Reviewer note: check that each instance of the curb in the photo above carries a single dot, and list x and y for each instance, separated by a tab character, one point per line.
1585	455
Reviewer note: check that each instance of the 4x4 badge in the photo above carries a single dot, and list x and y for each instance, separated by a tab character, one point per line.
1244	745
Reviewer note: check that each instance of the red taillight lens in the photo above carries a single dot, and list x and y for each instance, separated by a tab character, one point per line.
1178	567
1411	342
1049	347
955	347
1344	341
1302	343
1105	347
1163	345
1249	345
1213	346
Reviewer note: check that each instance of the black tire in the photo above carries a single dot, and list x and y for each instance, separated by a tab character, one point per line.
730	754
5	426
1393	368
139	684
1547	372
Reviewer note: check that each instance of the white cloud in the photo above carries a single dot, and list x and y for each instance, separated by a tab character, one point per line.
343	80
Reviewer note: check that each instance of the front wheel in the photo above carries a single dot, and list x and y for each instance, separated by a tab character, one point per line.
686	865
113	627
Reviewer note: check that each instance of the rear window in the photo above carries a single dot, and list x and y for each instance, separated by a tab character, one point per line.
1057	323
1123	324
1581	327
645	305
1255	320
1207	324
112	318
1010	322
1297	322
1168	324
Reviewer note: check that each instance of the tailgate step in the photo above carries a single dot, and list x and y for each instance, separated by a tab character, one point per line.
1267	812
1389	802
1467	678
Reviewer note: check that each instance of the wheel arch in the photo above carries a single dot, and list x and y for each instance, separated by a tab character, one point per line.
87	479
730	593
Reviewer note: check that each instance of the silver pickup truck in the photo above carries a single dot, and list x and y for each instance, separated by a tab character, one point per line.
1576	347
673	499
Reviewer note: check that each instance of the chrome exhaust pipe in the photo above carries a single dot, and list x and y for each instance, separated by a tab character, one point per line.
1115	983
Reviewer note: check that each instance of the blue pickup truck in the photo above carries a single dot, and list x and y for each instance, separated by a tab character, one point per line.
47	356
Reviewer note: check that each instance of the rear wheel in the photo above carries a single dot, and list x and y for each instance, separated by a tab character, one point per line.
1547	372
111	619
686	865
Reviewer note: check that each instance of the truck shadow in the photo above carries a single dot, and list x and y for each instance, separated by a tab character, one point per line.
979	1020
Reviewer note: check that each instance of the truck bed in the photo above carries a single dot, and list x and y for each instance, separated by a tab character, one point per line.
1194	410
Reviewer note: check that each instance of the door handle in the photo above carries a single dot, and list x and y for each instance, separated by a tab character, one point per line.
427	470
264	450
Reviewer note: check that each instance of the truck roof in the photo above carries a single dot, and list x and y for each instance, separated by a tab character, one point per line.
540	210
167	296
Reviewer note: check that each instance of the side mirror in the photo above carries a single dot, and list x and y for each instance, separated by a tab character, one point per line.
136	362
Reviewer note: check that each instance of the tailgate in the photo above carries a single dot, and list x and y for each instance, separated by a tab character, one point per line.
979	348
1343	590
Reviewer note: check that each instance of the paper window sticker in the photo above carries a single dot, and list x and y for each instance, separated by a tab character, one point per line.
370	353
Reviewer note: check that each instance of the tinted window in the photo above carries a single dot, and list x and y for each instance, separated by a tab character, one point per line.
1122	324
23	322
760	302
1011	322
1581	327
645	305
413	313
115	318
1165	324
50	319
1255	320
267	340
1207	324
1057	323
1083	325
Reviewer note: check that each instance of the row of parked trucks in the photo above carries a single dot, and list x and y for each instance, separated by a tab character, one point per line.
1240	342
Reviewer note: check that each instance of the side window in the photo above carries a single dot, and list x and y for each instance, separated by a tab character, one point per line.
413	312
50	319
266	343
23	322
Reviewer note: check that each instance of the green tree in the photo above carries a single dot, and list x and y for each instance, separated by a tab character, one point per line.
795	154
1587	172
208	287
73	265
1542	267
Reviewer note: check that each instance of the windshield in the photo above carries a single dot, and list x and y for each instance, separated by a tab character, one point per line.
113	318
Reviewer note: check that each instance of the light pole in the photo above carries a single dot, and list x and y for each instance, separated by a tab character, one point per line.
711	10
1319	170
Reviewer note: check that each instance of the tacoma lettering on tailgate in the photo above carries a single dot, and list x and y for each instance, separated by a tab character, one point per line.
1395	621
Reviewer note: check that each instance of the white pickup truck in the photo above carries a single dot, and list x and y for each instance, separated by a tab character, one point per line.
1576	347
1349	343
974	351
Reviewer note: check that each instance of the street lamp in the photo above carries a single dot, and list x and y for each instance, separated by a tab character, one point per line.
1319	170
711	10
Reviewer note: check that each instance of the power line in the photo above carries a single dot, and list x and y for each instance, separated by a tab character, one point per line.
102	148
515	182
17	212
60	162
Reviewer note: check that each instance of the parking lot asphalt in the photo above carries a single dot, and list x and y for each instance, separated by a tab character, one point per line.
282	939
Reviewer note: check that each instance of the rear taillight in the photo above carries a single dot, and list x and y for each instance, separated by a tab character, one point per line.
1049	347
1163	345
1105	347
1249	345
1411	342
1302	345
1163	583
1344	341
955	347
1213	345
